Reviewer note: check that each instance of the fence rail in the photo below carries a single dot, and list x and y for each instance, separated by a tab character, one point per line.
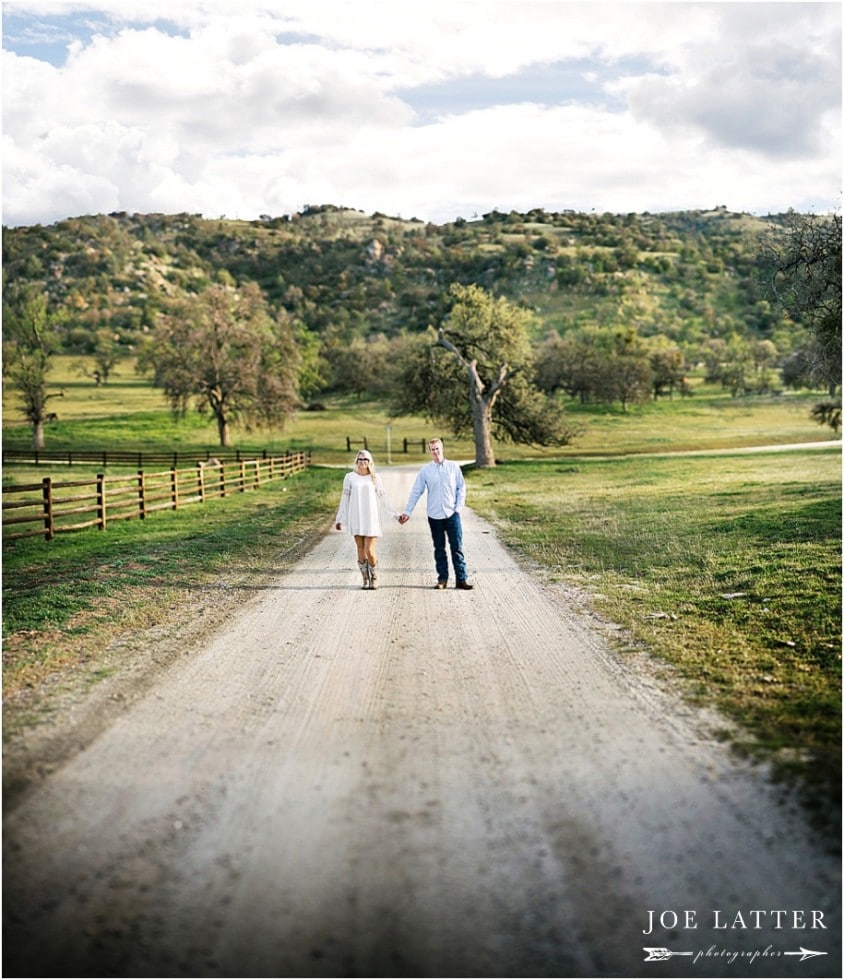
128	457
54	505
140	458
407	444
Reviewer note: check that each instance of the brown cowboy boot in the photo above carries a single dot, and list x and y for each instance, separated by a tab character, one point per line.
373	576
364	571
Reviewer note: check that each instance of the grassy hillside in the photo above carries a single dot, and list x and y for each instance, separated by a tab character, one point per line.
688	275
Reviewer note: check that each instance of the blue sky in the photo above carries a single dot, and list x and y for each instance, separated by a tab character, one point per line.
436	110
46	35
577	81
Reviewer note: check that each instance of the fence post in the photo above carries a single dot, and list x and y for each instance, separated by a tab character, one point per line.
142	500
47	496
242	474
101	502
200	481
222	479
174	488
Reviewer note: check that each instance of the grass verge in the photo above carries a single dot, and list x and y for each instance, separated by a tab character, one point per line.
66	600
728	567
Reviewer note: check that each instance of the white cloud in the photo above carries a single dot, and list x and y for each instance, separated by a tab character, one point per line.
262	108
767	86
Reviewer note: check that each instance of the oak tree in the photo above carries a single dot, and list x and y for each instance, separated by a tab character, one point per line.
30	340
476	373
803	258
229	353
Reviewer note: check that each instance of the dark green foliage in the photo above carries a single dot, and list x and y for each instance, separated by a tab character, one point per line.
828	413
803	259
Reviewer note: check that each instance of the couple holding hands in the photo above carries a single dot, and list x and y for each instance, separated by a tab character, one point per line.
446	490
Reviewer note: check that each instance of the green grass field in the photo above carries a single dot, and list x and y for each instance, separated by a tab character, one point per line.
129	413
726	565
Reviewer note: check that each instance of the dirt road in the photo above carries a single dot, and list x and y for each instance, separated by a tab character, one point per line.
411	782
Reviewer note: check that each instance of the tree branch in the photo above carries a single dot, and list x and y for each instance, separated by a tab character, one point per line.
443	341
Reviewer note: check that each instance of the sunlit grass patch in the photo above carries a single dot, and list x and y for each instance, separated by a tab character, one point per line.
728	567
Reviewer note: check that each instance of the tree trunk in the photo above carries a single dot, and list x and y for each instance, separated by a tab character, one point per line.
482	428
481	402
38	434
223	429
484	455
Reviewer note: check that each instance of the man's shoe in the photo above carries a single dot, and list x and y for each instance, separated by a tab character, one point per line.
441	585
464	585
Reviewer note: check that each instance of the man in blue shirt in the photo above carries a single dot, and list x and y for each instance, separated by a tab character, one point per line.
446	488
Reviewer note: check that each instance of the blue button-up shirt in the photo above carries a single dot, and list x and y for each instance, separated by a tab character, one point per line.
446	489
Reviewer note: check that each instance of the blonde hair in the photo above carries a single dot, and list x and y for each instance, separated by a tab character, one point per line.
370	462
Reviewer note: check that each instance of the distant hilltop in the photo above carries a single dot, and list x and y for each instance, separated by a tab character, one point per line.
344	273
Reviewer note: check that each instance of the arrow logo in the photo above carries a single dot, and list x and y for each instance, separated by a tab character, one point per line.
657	954
804	954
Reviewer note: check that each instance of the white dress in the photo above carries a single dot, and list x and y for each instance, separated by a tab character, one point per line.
359	505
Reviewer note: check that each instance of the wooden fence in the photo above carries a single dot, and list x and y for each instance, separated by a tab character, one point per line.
126	457
141	459
72	505
407	444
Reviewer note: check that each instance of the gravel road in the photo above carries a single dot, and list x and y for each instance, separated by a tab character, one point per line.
412	782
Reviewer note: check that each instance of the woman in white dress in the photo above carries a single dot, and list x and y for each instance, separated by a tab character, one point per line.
359	510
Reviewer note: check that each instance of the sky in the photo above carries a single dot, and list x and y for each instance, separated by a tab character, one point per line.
427	109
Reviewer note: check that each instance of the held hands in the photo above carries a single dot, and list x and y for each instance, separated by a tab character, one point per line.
403	518
338	526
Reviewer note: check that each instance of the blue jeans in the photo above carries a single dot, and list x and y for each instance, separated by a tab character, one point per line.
451	528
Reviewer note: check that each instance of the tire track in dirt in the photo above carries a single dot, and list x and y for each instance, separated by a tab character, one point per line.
404	783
